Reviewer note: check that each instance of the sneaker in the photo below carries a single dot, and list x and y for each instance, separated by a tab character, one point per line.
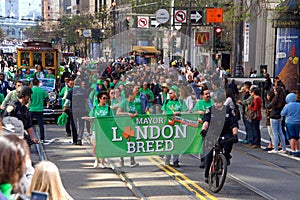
282	151
167	163
101	165
176	164
267	149
68	134
205	179
79	142
96	164
227	162
134	164
202	165
273	151
245	142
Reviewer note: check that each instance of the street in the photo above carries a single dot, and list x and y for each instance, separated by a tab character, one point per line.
253	174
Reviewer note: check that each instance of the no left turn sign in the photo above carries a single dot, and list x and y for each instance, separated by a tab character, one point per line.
143	22
180	16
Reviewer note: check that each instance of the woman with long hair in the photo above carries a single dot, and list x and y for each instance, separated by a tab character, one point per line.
277	105
46	178
13	155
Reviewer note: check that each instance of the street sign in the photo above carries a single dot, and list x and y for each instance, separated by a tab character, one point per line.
214	15
196	16
154	22
143	22
180	16
86	33
162	16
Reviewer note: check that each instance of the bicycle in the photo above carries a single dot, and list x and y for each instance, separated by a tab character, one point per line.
218	169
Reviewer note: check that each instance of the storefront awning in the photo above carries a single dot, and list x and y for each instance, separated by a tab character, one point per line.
145	49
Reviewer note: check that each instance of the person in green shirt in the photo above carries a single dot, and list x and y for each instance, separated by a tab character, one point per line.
50	74
202	107
11	74
173	106
102	109
36	107
63	94
12	96
128	107
114	102
27	74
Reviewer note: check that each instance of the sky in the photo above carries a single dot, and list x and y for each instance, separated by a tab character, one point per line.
27	7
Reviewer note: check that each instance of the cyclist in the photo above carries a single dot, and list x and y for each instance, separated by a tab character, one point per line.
212	121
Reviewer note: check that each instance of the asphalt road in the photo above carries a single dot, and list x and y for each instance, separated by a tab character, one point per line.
253	174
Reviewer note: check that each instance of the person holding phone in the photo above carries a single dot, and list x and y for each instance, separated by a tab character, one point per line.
50	184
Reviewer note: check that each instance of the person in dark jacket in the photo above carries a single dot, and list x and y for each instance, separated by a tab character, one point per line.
277	105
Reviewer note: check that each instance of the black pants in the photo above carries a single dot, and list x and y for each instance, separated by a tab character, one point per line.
71	123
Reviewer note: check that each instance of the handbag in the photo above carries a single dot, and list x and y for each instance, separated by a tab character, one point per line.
252	115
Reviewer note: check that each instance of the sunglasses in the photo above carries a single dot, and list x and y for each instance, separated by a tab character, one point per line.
112	93
104	98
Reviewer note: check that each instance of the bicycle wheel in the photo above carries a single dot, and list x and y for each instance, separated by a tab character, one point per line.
217	173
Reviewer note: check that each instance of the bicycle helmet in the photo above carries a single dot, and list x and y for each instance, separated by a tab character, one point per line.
22	91
219	96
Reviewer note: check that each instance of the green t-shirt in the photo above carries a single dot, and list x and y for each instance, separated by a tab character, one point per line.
114	102
127	106
50	76
101	111
203	105
171	106
1	98
63	93
149	92
37	99
138	105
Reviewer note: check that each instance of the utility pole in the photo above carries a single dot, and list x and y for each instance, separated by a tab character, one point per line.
189	29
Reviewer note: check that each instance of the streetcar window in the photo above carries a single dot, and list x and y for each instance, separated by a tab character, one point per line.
37	58
49	59
24	59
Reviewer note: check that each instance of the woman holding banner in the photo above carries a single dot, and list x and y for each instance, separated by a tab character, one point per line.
102	109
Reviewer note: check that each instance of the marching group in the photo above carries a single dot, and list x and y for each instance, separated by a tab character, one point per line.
125	88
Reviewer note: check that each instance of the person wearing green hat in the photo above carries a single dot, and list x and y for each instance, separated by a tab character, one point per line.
63	93
173	106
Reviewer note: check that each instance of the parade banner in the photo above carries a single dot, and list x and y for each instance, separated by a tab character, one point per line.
146	135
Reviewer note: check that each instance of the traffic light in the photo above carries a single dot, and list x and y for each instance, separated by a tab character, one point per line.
218	37
127	22
52	41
